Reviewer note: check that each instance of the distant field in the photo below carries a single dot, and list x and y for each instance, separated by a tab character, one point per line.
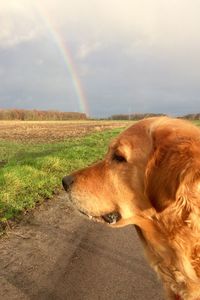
35	155
52	131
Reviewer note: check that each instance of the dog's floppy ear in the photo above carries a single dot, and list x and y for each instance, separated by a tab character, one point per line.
172	169
161	180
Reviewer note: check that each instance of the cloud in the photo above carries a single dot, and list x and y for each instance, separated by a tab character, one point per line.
18	23
136	22
86	49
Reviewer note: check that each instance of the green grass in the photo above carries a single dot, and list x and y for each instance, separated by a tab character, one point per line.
196	122
30	173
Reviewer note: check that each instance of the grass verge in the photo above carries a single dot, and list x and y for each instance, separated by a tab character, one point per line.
32	172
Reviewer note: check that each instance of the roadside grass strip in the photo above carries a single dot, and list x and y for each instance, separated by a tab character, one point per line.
30	173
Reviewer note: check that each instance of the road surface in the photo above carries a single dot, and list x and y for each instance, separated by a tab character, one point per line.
56	254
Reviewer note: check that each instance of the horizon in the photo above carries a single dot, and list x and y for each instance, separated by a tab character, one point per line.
102	117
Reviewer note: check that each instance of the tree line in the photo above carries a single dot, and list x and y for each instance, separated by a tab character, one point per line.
138	116
192	116
51	115
134	116
39	115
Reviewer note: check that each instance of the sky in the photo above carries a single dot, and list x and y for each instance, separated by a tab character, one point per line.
101	57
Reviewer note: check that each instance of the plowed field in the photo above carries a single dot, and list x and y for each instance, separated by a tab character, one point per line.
50	131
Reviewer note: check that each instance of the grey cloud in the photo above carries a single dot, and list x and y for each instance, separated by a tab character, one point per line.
25	83
133	58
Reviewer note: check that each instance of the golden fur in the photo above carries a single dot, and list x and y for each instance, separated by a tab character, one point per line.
151	176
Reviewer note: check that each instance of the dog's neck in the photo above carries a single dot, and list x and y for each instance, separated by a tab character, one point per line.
173	248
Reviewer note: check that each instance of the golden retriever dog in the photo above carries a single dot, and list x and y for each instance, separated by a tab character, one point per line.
150	177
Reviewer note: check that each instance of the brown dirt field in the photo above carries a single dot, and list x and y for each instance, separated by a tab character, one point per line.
50	131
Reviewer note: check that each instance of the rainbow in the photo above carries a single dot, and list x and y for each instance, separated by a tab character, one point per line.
67	57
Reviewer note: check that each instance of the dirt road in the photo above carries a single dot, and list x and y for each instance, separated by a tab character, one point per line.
55	254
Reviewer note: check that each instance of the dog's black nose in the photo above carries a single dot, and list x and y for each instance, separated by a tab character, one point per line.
67	182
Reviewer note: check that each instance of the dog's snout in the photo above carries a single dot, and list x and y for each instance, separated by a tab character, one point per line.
67	181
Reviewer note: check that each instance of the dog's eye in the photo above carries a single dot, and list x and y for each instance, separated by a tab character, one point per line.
119	158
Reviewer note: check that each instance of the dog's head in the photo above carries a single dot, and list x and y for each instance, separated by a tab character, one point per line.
141	172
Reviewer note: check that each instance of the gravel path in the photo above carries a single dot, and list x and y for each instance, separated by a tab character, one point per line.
56	254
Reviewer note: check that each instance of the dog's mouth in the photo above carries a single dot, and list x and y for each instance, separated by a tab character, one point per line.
111	218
